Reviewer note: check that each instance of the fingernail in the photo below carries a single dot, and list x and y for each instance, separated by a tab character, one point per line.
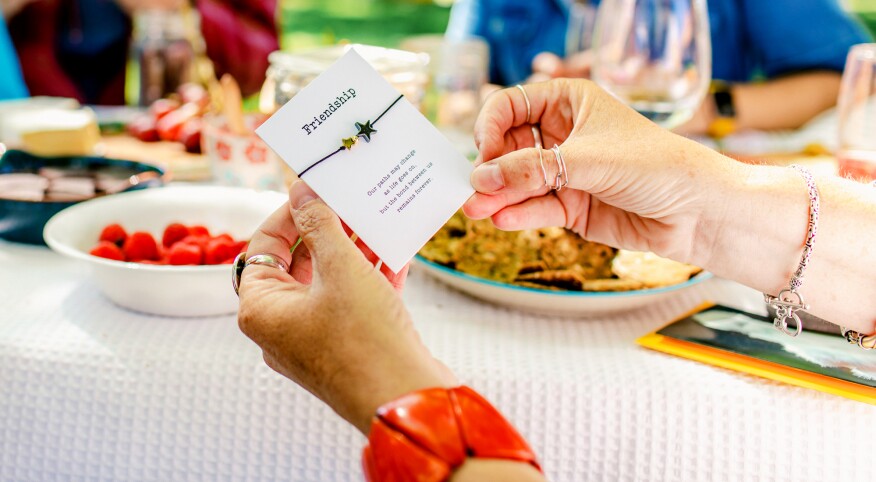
487	178
299	194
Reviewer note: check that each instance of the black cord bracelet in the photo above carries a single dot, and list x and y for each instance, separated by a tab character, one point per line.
347	143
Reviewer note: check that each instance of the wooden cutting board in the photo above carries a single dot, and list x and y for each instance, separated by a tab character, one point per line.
181	165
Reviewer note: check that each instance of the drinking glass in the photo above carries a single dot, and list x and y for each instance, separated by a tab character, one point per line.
579	34
856	107
655	55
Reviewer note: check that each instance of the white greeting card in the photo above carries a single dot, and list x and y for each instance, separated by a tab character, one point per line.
372	156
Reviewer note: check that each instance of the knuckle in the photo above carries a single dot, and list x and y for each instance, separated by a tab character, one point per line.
246	319
313	218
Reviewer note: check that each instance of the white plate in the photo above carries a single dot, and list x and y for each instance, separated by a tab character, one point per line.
564	303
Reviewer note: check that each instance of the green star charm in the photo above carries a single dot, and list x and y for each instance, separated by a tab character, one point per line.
349	142
365	130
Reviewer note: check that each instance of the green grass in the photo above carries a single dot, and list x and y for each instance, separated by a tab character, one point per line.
312	23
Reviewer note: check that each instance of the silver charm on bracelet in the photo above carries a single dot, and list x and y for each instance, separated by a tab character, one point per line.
863	341
790	301
787	304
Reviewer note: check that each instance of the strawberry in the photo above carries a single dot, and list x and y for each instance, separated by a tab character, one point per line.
190	135
200	241
143	128
141	246
162	107
219	250
172	233
199	230
240	247
194	93
108	250
182	253
169	126
156	262
114	233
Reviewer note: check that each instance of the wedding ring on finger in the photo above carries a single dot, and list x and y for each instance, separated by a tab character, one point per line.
242	261
562	177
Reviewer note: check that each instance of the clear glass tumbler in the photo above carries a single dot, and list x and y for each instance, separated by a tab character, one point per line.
856	107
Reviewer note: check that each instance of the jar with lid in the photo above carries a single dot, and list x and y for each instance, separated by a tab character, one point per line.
288	73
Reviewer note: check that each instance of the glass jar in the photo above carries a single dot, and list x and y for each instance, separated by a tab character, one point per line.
162	52
290	72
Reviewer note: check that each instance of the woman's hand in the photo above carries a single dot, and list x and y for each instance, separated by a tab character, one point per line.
631	184
334	324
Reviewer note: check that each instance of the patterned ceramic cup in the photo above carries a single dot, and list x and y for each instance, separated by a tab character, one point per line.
240	160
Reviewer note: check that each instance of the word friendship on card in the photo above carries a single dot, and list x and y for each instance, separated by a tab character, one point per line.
372	157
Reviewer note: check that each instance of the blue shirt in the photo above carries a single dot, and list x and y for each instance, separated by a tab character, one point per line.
749	37
11	82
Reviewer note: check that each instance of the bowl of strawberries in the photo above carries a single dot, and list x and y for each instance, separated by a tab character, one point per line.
164	251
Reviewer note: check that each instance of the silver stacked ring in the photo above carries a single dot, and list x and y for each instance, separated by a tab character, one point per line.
562	178
536	135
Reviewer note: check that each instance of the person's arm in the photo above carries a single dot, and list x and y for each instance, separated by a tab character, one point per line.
335	324
239	37
633	185
479	470
784	103
753	231
10	8
34	34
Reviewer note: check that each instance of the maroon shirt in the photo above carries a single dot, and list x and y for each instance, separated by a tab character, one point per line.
239	35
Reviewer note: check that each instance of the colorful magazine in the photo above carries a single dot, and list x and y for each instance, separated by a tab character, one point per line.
745	342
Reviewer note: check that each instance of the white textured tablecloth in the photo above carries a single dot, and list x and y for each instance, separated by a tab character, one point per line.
90	391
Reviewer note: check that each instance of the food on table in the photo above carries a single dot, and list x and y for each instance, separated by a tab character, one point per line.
176	120
114	233
55	184
182	253
141	246
651	270
52	131
23	186
172	233
180	245
190	135
108	250
549	259
143	128
162	107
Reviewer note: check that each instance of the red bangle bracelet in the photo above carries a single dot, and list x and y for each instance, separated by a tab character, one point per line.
427	434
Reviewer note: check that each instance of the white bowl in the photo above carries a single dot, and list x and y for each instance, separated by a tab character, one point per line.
158	289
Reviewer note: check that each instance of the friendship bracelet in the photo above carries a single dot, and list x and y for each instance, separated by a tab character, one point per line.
790	301
866	342
347	143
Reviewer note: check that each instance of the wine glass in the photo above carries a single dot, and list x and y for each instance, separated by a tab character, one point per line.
655	55
579	33
857	114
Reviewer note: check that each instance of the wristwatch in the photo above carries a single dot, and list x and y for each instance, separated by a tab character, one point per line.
725	122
